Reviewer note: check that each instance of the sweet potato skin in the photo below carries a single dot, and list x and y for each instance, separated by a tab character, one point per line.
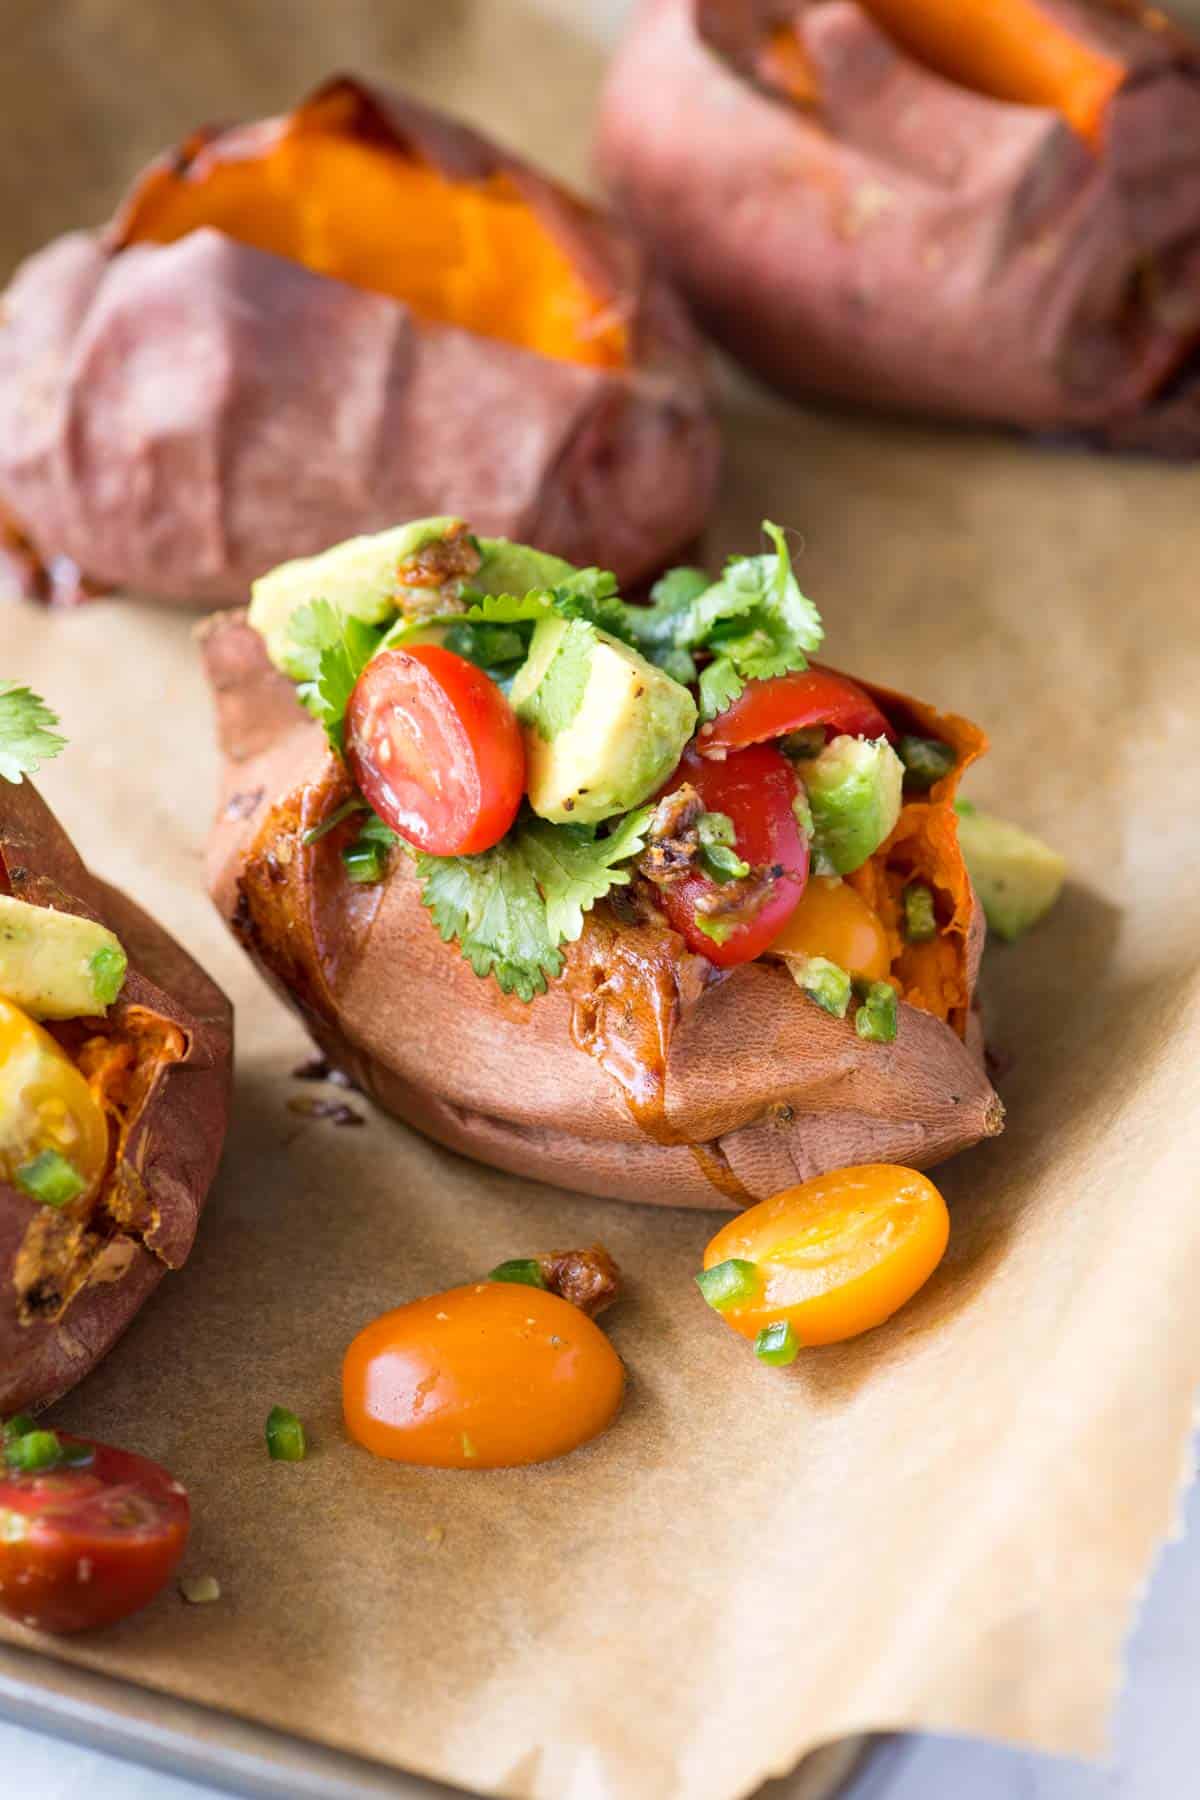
738	1085
177	419
909	244
174	1141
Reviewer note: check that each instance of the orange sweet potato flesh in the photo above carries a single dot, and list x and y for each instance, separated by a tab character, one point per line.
312	187
71	1280
300	330
644	1073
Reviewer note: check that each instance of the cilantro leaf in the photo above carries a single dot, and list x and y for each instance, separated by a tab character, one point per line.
490	903
27	734
330	650
511	907
558	696
574	871
756	623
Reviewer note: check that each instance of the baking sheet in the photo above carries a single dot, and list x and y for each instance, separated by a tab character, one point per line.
945	1524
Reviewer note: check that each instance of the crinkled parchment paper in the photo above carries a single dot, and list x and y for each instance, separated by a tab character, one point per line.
947	1523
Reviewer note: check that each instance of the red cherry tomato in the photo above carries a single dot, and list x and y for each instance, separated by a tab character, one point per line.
87	1546
436	749
813	696
756	789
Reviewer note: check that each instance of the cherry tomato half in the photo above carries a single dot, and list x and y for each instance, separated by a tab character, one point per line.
436	749
812	696
755	788
836	1255
87	1546
482	1377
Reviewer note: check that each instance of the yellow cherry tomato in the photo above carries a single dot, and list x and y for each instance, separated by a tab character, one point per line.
834	921
480	1377
829	1259
45	1103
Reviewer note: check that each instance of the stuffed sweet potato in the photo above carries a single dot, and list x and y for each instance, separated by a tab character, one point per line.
115	1056
633	899
986	211
304	328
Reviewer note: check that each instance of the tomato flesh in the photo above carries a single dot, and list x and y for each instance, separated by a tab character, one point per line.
837	1255
756	789
812	696
88	1546
487	1376
436	749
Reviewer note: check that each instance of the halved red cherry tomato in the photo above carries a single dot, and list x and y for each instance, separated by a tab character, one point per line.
436	749
86	1546
813	696
756	789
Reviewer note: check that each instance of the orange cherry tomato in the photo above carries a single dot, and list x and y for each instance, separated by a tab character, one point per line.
81	1547
835	1256
436	748
834	921
481	1377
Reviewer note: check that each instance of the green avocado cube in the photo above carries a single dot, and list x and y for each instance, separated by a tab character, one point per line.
1017	877
854	790
603	727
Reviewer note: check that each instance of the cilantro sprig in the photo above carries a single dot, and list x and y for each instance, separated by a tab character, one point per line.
330	650
511	908
27	734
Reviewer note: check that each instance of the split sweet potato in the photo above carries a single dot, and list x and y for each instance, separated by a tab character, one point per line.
299	330
986	211
644	1072
70	1279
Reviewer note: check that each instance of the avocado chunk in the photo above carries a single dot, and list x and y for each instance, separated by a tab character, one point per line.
603	727
361	577
54	965
1017	877
507	568
854	790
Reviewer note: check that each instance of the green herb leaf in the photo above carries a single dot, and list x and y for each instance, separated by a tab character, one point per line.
525	1271
51	1179
108	967
286	1440
330	649
558	696
511	907
27	734
926	761
777	1344
877	1019
729	1283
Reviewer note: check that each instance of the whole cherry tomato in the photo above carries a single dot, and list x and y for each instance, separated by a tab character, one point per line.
757	790
481	1377
85	1546
812	696
828	1259
834	921
435	747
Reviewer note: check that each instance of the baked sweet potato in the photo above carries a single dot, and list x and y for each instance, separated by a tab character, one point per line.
985	211
645	1072
73	1276
301	329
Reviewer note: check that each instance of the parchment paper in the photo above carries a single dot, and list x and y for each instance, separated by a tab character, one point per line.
947	1523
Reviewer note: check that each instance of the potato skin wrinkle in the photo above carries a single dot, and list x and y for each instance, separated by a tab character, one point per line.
326	378
644	1073
72	1278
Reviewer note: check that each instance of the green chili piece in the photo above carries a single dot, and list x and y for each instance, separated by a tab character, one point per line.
926	761
51	1179
920	920
824	982
717	836
777	1344
729	1283
285	1436
365	861
877	1019
522	1269
20	1425
35	1451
